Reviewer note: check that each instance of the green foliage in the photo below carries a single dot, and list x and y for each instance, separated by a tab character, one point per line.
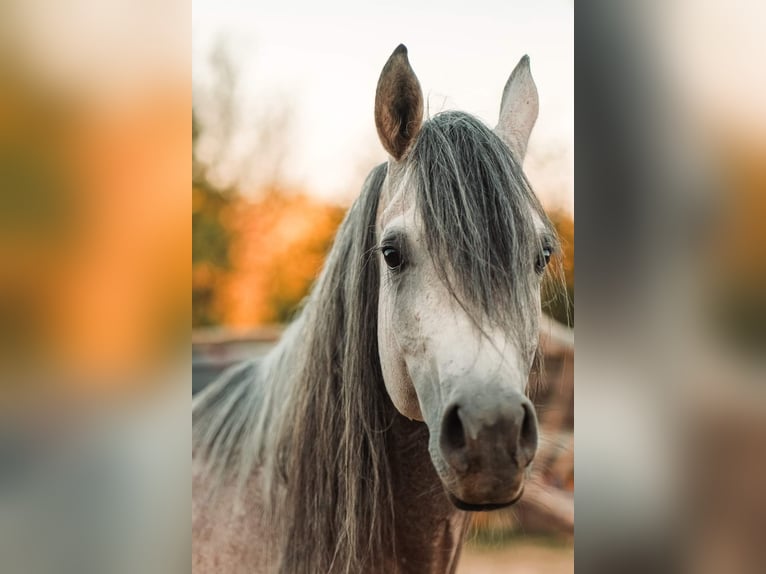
210	239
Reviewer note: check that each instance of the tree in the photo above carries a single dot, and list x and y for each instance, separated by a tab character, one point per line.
210	238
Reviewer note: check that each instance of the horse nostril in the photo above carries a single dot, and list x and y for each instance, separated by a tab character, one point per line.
479	435
528	436
453	434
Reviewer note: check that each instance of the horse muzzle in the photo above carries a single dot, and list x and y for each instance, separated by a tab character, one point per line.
487	440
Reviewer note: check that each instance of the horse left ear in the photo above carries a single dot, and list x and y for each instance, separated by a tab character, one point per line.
398	104
518	109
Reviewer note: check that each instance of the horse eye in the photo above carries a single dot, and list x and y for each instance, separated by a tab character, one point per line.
543	259
393	258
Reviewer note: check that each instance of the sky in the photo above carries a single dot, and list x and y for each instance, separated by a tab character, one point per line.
324	59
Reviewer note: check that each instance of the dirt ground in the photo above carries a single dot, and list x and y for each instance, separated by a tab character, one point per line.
518	557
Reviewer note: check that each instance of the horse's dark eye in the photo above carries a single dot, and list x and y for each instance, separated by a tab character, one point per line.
393	258
543	259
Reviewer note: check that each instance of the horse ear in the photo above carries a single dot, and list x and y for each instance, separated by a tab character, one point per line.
398	104
518	109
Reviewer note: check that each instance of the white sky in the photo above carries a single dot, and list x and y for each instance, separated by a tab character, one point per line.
325	58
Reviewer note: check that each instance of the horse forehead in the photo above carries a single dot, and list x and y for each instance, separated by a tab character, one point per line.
399	208
404	220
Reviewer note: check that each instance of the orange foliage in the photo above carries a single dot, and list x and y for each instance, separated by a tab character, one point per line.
557	302
95	264
279	247
564	224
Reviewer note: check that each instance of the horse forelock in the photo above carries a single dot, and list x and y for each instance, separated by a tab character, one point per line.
481	219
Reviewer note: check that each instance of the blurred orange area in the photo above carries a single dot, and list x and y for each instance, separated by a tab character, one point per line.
564	224
280	243
738	273
558	304
94	231
125	289
745	172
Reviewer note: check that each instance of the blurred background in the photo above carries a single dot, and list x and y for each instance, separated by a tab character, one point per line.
671	199
94	275
92	224
284	136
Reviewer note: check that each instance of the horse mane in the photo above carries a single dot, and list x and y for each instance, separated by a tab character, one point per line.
311	417
339	485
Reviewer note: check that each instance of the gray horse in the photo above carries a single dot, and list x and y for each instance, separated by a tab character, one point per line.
397	400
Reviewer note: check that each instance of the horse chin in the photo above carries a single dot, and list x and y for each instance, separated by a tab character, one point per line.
484	506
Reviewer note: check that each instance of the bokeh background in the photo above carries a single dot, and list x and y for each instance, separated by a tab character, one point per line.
670	410
94	275
91	148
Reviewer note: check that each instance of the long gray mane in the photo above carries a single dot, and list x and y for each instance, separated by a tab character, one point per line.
311	417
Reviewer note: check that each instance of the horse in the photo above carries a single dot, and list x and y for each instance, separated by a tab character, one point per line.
396	402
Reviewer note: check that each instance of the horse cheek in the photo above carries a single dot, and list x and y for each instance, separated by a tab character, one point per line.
392	345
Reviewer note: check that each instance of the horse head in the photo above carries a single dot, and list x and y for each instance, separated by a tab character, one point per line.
462	244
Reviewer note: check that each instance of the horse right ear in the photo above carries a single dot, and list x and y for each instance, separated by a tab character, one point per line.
398	104
518	109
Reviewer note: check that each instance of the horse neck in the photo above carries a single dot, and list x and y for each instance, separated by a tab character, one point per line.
429	529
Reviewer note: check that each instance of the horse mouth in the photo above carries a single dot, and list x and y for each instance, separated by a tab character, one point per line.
462	505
